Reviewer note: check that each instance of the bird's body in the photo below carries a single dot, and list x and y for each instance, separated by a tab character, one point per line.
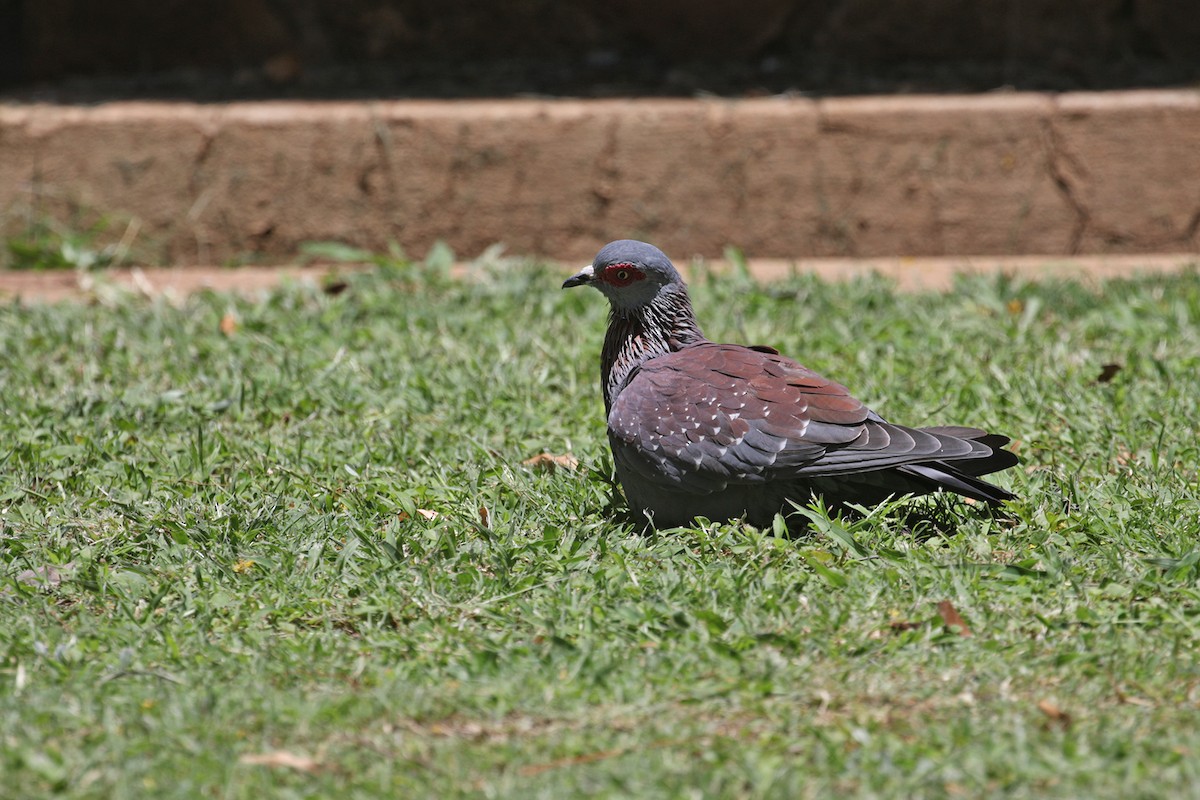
722	431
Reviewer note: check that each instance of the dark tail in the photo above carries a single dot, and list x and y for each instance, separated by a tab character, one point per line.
962	476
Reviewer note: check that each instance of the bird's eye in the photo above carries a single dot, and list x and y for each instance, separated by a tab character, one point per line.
622	275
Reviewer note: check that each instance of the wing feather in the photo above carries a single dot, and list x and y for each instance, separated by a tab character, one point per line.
710	415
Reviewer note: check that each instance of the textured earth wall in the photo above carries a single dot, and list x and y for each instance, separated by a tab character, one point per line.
1008	173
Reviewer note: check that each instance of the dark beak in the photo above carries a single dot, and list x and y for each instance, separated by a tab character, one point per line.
584	276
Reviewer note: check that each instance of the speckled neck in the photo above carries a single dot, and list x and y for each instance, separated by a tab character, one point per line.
636	335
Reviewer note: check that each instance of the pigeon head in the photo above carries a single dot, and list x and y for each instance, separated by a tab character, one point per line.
631	274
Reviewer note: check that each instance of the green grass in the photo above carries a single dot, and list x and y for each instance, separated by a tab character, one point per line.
211	549
40	242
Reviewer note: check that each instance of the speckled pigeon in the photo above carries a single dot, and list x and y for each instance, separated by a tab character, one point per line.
700	429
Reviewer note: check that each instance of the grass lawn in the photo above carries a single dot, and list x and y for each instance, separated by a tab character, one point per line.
288	547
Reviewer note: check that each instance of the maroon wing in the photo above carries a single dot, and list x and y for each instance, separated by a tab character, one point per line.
712	414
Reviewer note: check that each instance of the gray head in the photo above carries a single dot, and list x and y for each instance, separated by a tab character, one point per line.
630	274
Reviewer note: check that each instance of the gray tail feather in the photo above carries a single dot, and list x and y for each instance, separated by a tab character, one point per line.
939	475
962	476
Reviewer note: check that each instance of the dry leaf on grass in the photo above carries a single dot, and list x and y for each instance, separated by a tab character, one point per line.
952	619
1132	700
281	758
1108	372
904	625
425	513
549	461
1054	713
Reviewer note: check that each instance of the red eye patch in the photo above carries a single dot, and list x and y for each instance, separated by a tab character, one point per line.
621	274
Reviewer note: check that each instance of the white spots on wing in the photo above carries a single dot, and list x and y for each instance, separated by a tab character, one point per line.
734	415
